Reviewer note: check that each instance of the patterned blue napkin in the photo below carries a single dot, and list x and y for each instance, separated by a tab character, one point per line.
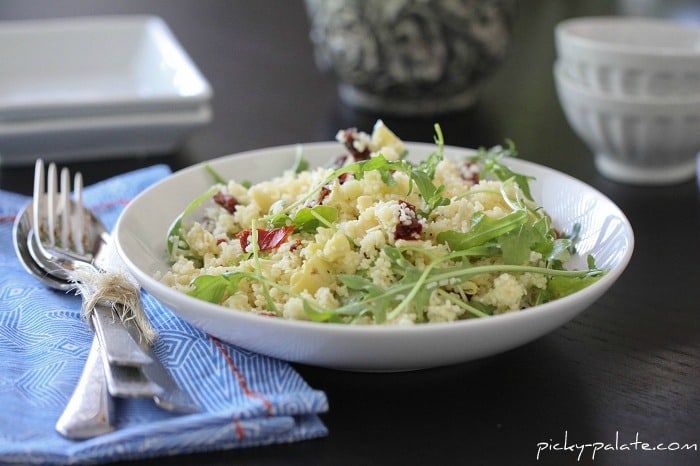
246	399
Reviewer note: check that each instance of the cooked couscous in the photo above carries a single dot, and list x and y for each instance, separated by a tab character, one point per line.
374	239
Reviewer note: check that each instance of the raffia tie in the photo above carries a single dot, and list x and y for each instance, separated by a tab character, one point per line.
116	290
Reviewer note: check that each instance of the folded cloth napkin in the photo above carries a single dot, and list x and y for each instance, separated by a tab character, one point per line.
247	399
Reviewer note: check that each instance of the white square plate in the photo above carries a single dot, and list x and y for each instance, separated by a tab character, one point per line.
95	137
94	66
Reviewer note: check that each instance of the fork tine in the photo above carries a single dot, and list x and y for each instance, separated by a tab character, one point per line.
79	217
38	199
65	208
52	204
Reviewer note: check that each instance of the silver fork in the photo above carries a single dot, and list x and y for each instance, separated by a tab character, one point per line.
75	238
66	240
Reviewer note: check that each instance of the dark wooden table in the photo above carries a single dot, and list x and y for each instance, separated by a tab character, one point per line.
629	366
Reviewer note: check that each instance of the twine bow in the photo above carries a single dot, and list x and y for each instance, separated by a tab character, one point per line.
115	289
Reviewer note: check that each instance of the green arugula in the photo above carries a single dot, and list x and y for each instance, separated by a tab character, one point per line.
483	229
215	174
216	288
423	176
175	239
308	219
415	287
492	162
300	163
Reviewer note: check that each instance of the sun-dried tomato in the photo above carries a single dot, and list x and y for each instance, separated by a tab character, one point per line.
226	201
350	135
322	194
469	171
326	190
409	227
267	239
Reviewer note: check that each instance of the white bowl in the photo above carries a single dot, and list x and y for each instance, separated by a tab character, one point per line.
629	56
639	141
88	66
140	236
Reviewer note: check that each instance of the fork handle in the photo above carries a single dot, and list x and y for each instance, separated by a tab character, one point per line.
117	343
89	411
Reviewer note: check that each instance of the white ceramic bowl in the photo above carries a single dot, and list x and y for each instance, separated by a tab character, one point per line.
639	141
630	56
142	228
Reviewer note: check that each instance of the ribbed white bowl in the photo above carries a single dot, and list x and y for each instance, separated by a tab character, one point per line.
641	141
628	56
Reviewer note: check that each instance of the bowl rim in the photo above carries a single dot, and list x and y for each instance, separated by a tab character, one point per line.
568	35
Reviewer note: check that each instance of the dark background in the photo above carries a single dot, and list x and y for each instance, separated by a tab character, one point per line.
629	364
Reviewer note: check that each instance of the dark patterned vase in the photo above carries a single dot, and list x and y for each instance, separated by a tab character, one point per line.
410	57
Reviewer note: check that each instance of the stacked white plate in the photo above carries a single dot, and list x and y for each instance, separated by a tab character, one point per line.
85	88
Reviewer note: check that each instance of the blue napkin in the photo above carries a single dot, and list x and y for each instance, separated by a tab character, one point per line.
247	399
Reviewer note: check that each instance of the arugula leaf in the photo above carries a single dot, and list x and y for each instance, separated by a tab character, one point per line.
374	301
217	177
279	220
379	163
356	282
300	163
419	296
573	237
517	244
424	174
397	257
474	307
175	239
491	159
483	229
560	250
431	194
308	219
414	279
590	260
429	165
560	286
486	309
317	314
211	288
215	288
